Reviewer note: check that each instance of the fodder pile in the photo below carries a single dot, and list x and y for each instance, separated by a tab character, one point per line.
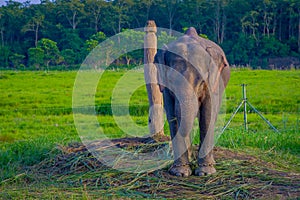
238	176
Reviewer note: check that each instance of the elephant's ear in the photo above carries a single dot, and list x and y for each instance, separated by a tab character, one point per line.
160	62
218	74
217	64
213	75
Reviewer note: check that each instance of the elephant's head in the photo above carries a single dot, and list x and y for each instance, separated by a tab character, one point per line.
186	54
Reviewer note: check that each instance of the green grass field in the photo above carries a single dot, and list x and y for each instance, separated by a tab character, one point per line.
36	116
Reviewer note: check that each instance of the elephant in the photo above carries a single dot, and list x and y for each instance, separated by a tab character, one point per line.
192	75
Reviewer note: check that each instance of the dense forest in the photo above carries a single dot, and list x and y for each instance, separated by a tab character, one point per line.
60	33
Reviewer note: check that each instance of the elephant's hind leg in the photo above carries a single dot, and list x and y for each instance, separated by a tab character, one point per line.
180	143
206	168
207	118
181	165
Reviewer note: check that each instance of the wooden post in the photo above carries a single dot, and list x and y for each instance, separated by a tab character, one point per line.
155	120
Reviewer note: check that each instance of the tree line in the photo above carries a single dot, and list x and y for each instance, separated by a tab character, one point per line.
63	32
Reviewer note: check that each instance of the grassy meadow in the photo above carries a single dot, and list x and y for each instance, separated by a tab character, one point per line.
36	116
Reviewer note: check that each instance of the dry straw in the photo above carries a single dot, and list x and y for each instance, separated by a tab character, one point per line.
238	176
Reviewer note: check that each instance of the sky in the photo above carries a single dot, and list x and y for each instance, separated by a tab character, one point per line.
2	2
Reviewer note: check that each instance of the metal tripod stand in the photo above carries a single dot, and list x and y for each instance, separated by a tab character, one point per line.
245	102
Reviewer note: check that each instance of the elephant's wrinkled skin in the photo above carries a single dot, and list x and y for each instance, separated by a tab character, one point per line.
192	73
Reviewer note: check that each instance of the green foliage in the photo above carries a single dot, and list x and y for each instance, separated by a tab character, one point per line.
184	29
271	46
69	56
71	11
95	40
204	36
243	50
36	57
100	36
71	40
132	40
164	38
16	60
51	52
91	44
250	32
4	56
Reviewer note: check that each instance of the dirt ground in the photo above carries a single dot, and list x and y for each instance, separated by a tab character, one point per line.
239	176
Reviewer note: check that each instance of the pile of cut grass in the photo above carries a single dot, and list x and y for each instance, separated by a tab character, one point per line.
75	173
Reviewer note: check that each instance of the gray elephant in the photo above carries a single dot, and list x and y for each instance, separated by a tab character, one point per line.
192	74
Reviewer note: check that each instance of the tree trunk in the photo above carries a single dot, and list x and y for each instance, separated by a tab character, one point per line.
171	8
265	23
2	37
155	121
280	25
217	22
290	25
170	26
223	27
253	28
119	25
96	23
74	21
36	35
128	59
274	24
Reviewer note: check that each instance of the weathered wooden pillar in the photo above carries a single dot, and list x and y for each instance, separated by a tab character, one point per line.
155	120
